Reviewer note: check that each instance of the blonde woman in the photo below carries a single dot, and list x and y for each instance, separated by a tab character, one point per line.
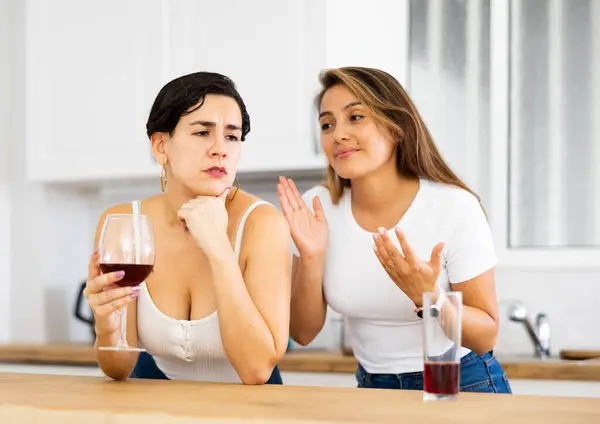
392	222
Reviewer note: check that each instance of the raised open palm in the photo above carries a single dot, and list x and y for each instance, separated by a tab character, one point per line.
309	230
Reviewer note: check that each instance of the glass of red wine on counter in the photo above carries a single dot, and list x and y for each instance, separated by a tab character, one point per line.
442	327
127	244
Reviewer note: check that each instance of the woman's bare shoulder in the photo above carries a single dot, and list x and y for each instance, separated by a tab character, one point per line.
240	202
262	217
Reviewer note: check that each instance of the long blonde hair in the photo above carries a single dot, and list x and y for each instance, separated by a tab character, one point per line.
393	109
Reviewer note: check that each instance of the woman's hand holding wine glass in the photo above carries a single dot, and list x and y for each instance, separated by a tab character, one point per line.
124	259
106	297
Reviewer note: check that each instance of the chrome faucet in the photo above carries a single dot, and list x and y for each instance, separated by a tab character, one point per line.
539	335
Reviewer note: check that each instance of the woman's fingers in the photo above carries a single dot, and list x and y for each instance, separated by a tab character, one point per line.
108	296
409	254
286	207
289	193
94	267
108	308
296	193
96	285
397	261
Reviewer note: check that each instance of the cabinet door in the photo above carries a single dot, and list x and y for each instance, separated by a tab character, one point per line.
273	51
92	72
325	379
562	388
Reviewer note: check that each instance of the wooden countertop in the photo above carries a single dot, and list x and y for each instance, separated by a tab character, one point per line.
70	399
309	361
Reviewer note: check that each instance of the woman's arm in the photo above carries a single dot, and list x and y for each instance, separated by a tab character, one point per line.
308	308
480	312
310	233
469	251
118	365
254	308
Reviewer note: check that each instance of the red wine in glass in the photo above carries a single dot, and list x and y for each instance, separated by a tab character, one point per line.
441	378
134	273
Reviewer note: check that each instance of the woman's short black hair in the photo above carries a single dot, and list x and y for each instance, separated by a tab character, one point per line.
177	98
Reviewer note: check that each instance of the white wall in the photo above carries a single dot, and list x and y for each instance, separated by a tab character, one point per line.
4	173
26	201
569	297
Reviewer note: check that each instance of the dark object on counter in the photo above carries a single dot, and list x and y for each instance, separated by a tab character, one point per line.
579	355
86	319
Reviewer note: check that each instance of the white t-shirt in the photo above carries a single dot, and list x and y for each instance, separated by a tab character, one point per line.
385	333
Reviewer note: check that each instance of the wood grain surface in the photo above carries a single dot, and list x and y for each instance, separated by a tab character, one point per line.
283	404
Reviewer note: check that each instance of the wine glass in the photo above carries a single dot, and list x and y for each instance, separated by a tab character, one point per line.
126	244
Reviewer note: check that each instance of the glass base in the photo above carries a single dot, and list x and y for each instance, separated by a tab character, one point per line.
437	396
122	348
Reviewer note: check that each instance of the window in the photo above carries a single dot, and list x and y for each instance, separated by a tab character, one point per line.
511	93
449	81
554	187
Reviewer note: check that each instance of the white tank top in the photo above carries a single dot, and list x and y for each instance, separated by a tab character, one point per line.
182	349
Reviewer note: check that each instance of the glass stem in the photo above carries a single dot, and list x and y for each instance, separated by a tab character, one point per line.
123	340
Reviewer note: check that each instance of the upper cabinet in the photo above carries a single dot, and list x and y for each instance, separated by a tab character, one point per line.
94	69
273	50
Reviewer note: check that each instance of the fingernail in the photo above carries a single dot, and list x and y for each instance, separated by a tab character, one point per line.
96	250
136	289
134	295
381	230
375	237
375	247
120	273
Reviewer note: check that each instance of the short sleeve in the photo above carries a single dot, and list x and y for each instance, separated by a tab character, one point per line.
308	199
470	248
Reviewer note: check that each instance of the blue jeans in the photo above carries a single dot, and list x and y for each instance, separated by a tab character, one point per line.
146	368
478	373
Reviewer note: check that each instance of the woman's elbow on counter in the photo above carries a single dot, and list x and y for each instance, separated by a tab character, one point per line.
258	375
260	372
118	375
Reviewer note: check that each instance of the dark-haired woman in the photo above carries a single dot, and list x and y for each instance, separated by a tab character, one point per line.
216	307
393	221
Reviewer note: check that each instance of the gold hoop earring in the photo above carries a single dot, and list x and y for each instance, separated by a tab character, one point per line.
234	189
163	177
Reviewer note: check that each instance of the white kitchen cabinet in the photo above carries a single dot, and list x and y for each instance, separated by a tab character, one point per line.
569	388
273	50
326	379
93	69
